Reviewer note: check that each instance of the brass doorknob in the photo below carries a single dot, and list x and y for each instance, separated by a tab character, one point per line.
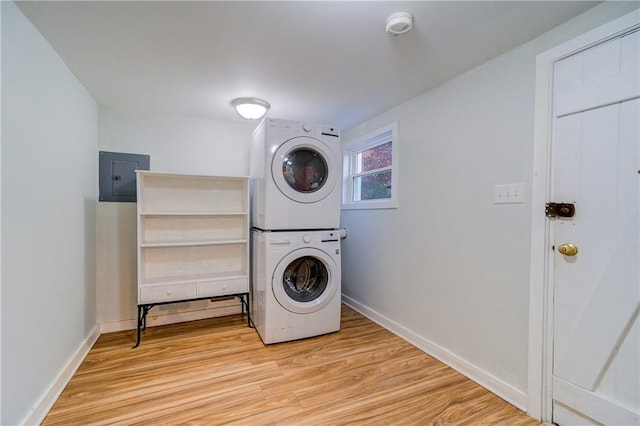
568	249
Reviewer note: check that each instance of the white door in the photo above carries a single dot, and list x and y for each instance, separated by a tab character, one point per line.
596	166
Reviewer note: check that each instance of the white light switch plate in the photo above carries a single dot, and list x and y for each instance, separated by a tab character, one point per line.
511	193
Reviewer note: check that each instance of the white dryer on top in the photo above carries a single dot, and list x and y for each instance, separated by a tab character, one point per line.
296	173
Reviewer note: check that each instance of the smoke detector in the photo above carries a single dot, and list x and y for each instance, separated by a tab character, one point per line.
399	23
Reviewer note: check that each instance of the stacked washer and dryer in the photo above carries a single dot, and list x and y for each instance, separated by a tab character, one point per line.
295	235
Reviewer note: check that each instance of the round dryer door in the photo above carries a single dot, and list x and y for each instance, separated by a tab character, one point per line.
303	282
304	169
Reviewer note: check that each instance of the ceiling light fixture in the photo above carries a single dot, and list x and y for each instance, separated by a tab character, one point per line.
399	23
250	108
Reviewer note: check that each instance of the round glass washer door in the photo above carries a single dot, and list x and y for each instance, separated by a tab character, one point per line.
304	169
303	281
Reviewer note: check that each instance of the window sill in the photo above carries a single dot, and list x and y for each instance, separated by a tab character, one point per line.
370	205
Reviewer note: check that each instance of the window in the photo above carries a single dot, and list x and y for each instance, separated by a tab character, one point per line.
370	171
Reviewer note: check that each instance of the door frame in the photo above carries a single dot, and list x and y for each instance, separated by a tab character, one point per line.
540	354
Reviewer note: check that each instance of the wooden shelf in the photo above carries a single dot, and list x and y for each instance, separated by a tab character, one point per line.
204	213
193	229
193	236
193	194
194	278
191	243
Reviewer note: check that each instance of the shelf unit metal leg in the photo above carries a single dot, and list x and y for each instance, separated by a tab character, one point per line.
144	309
244	302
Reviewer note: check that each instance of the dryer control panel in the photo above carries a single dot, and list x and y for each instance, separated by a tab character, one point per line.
317	129
293	128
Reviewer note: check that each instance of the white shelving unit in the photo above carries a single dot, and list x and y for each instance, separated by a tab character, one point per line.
193	239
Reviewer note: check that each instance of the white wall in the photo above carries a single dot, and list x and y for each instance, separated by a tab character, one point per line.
0	223
175	144
449	267
49	191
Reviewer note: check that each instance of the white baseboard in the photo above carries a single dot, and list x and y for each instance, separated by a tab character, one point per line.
158	318
42	407
505	391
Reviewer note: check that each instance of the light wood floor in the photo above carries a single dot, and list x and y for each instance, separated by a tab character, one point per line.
217	371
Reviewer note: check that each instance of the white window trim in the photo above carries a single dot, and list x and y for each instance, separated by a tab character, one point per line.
367	141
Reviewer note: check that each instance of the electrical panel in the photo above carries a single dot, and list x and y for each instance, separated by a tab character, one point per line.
117	175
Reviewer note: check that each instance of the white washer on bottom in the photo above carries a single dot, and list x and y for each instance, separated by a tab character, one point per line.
296	284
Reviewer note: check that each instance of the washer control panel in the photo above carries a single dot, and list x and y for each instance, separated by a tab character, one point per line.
303	238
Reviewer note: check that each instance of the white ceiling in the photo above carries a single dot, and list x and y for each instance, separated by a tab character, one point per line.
321	61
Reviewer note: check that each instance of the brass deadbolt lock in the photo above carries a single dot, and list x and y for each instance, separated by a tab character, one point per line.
562	210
